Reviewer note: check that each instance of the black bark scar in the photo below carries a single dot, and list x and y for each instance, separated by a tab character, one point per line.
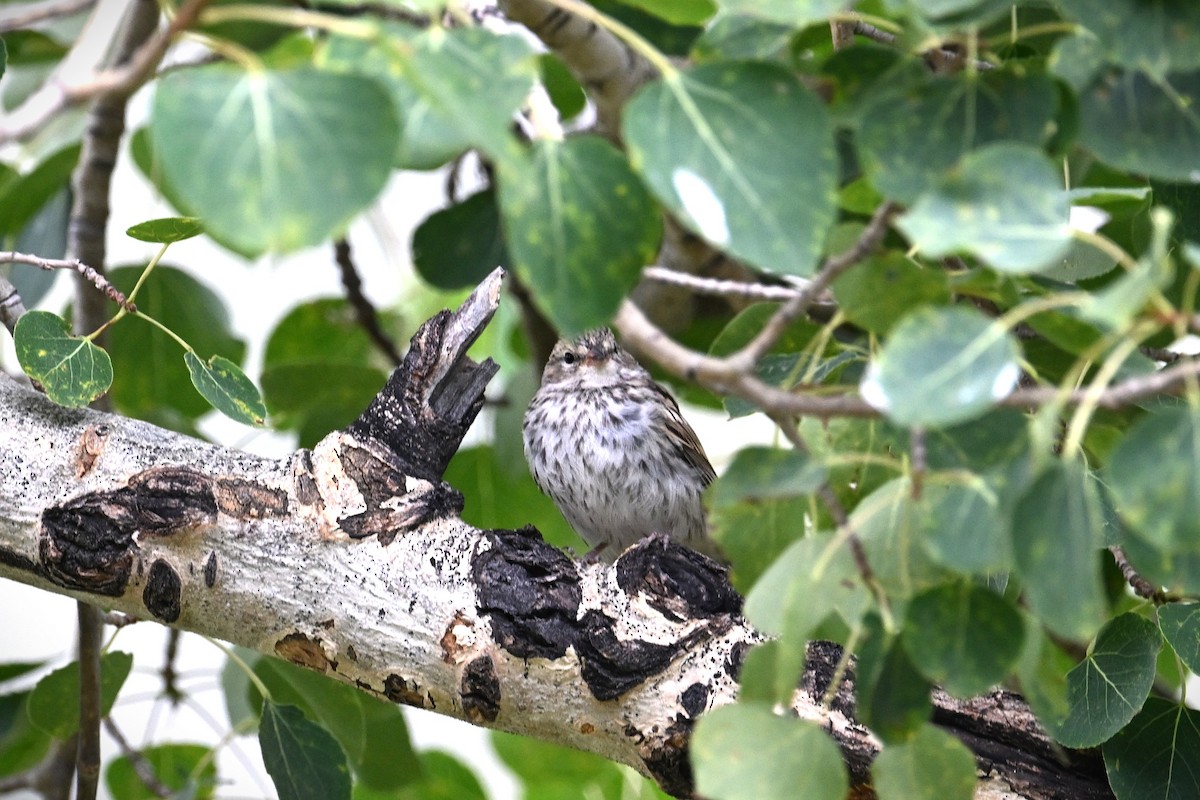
88	543
163	593
480	690
531	590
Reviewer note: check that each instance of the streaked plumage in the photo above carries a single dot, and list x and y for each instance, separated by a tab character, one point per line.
611	448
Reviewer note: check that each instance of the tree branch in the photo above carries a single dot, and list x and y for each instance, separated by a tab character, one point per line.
609	70
54	97
75	265
43	12
368	318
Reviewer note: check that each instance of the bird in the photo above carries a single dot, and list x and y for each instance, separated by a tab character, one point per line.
611	448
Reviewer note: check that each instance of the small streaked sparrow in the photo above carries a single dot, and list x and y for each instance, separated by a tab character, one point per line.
612	450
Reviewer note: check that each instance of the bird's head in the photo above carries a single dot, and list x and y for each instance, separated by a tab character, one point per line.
593	360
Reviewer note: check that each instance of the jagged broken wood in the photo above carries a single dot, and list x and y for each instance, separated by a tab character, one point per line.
351	559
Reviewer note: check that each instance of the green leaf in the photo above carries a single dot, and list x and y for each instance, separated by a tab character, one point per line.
1154	476
759	473
474	80
1042	672
316	397
555	770
444	778
173	766
732	37
429	137
168	229
303	760
579	226
561	87
964	529
356	720
963	636
1142	124
321	368
54	703
677	12
916	127
813	578
707	144
1180	625
892	525
794	13
1003	203
933	765
1108	687
460	245
222	383
1118	303
753	533
746	752
499	496
1158	36
22	744
295	169
877	293
1154	755
893	697
1056	533
150	375
21	198
942	366
72	370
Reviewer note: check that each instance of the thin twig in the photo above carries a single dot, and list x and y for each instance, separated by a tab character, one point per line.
143	768
54	97
75	265
364	310
87	764
721	287
170	676
118	620
871	32
722	376
834	266
46	11
1141	586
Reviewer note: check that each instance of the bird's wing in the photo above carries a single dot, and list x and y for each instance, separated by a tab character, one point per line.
685	438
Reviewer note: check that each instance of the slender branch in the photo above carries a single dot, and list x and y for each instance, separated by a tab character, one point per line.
720	287
722	376
143	768
364	310
834	266
170	676
871	32
75	265
87	764
118	620
55	97
1141	587
32	16
11	306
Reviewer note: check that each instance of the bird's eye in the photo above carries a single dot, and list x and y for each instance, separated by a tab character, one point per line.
569	358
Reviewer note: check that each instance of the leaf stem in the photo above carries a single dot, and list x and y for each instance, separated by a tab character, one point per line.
293	17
